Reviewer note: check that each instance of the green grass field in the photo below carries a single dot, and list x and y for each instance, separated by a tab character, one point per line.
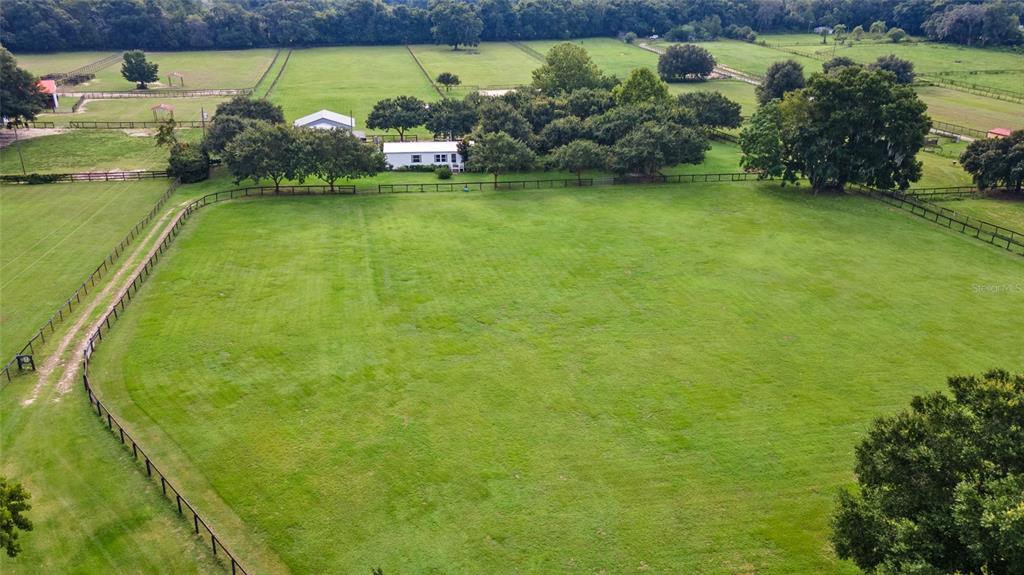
740	92
753	58
979	112
53	237
41	64
547	381
1005	211
348	80
134	109
611	55
489	64
88	150
207	69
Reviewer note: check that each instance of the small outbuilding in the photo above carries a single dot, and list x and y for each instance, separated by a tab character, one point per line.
999	133
326	120
162	112
426	153
49	87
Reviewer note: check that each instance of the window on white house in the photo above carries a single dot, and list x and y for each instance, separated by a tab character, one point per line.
416	158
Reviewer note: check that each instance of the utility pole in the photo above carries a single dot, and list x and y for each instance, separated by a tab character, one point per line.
18	148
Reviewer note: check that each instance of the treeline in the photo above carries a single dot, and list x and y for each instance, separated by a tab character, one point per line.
58	25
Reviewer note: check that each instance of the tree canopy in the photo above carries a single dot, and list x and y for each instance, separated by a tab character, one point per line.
272	151
13	506
136	68
642	85
579	155
685	62
903	69
654	145
941	485
996	162
455	23
567	67
252	108
450	118
780	78
712	109
447	79
399	114
20	95
335	154
854	125
498	153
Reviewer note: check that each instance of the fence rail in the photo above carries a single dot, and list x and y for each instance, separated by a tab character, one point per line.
33	124
945	193
88	68
96	125
1011	240
159	93
976	89
277	77
90	282
87	177
958	130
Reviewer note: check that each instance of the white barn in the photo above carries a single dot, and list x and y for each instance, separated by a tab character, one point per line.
328	120
426	153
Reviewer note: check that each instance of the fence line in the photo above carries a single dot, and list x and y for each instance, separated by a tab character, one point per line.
86	69
530	51
958	130
280	71
76	297
263	76
130	124
1011	240
33	124
978	90
424	70
86	177
160	93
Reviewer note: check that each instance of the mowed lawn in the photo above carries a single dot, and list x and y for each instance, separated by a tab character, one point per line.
88	150
753	58
489	64
963	109
740	92
42	64
202	69
611	55
135	110
1004	210
668	379
51	238
348	80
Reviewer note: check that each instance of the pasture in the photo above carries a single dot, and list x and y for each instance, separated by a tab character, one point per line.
88	150
348	80
613	56
134	110
60	62
53	237
1003	210
978	112
554	381
499	64
208	69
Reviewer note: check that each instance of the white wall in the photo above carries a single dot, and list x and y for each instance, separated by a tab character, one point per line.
402	159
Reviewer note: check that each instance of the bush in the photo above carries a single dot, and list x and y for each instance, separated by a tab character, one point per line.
686	62
629	38
443	172
189	163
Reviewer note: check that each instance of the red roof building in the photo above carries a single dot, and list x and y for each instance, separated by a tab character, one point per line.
999	133
49	87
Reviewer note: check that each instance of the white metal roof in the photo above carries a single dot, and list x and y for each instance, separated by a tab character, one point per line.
325	115
425	147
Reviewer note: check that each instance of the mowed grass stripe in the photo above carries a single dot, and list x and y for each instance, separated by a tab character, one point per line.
546	381
348	80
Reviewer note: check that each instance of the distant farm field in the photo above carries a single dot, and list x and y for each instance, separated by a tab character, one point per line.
1005	211
88	151
134	110
348	80
546	381
210	69
61	62
978	112
53	237
489	64
611	55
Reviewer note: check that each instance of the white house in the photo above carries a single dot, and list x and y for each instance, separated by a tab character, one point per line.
426	153
328	120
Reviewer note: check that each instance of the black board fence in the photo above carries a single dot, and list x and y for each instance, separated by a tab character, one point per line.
159	93
1006	238
85	177
129	124
946	127
72	302
489	185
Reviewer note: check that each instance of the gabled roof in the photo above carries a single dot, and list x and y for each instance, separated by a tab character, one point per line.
1000	132
425	147
48	86
325	115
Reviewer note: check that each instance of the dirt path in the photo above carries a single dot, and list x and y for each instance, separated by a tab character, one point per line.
58	358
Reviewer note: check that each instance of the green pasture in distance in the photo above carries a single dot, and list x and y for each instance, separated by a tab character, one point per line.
611	55
539	381
978	112
89	151
59	62
753	58
499	64
738	91
134	110
348	80
204	69
1003	210
53	236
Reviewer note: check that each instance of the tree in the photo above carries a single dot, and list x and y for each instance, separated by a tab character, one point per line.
780	78
579	155
447	79
450	118
903	69
877	28
854	125
941	485
455	23
561	132
685	62
837	63
587	102
20	95
135	68
629	37
500	116
223	129
642	85
188	162
857	33
712	109
839	32
165	136
896	35
254	109
654	145
567	67
498	153
263	150
13	506
399	113
996	162
336	154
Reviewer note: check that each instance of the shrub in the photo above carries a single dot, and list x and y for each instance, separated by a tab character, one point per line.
629	38
189	163
42	178
443	172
